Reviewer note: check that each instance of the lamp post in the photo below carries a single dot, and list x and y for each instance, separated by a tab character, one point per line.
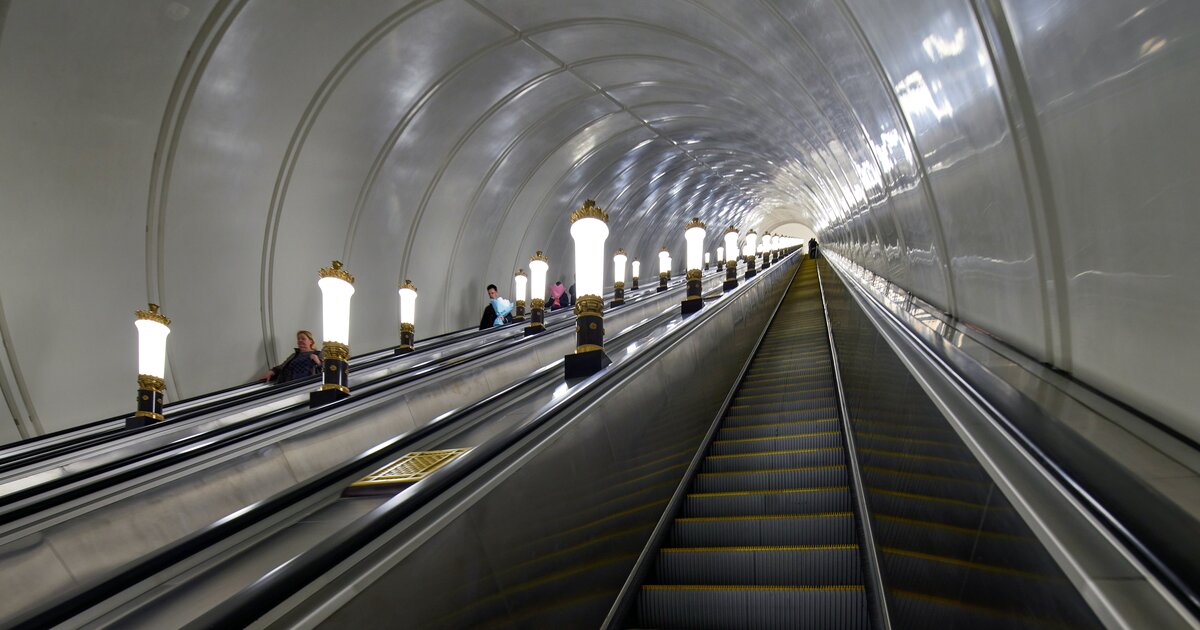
693	234
707	260
731	255
520	284
766	251
538	266
408	317
637	266
720	258
619	277
589	229
664	269
750	253
337	286
152	328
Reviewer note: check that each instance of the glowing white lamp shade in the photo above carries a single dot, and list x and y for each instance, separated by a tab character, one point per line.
707	258
337	286
720	254
637	268
731	247
152	342
751	243
619	266
538	266
408	303
664	261
694	235
520	285
589	230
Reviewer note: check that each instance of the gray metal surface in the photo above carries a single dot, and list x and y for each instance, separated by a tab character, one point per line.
1027	168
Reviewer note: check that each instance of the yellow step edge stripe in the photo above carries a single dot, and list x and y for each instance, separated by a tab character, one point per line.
788	452
927	458
976	566
772	470
777	424
933	499
699	587
757	548
767	517
892	438
967	531
1026	620
777	437
939	478
746	493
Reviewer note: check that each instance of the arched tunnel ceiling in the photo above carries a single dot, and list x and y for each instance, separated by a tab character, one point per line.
224	150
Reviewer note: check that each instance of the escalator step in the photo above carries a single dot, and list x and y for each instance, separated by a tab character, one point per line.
824	402
805	501
914	445
826	565
769	461
747	419
949	511
998	587
924	464
796	441
777	428
928	485
1022	553
772	479
715	607
835	528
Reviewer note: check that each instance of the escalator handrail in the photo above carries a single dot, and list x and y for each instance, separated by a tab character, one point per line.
627	597
278	585
880	617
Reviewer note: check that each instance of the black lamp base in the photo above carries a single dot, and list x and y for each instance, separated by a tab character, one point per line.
687	307
534	330
584	364
323	397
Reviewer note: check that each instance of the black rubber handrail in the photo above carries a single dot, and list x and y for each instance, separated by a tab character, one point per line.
272	589
93	479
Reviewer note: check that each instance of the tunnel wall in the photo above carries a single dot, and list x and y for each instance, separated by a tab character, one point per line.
1028	168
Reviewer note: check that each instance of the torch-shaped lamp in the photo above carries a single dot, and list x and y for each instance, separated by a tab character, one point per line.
664	268
520	285
637	267
589	229
337	286
707	260
731	255
750	252
152	328
619	277
408	317
693	234
766	250
538	266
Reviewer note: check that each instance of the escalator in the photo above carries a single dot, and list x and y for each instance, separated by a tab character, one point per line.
769	533
766	534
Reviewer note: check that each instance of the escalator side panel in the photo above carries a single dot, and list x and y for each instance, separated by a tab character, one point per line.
953	551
